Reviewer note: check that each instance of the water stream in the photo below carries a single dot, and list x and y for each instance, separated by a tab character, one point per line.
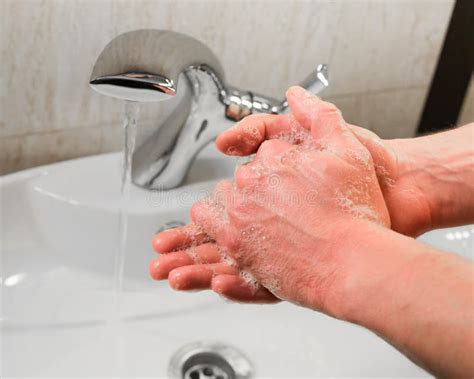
115	329
130	118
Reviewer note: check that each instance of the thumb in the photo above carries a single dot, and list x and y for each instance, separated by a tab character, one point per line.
323	118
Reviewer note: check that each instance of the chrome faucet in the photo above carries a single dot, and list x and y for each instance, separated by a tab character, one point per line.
154	65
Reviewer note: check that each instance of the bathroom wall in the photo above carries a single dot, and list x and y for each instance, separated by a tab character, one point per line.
467	112
381	55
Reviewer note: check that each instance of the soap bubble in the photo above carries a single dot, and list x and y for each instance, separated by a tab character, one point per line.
196	234
273	285
225	257
249	279
383	175
192	253
357	209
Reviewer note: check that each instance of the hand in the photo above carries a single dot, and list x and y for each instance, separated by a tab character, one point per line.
321	253
329	179
190	260
404	193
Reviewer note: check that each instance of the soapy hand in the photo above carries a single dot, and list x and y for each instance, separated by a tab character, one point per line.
289	215
404	196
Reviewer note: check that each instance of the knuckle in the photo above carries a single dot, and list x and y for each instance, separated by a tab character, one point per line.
235	209
197	209
267	145
244	176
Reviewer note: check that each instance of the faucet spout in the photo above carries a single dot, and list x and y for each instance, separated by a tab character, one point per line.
135	86
155	65
144	65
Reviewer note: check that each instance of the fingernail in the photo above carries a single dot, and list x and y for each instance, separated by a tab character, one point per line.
232	150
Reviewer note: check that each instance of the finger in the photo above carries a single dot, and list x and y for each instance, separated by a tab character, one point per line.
370	140
164	264
179	238
374	144
235	288
211	214
246	136
198	277
249	175
383	156
324	119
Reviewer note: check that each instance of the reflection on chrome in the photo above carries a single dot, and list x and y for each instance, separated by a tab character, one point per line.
155	65
13	280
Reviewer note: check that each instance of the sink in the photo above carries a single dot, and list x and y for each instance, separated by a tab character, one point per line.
76	205
59	234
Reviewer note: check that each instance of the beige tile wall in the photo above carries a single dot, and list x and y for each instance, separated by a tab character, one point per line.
381	55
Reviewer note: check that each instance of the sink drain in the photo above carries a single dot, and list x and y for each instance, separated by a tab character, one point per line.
201	360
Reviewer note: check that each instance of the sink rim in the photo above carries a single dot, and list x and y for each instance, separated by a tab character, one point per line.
141	200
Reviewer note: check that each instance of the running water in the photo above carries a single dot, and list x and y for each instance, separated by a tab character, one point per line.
130	117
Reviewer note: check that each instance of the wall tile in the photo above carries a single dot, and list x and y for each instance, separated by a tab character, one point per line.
48	49
390	114
387	44
393	114
350	107
253	39
405	42
11	154
43	148
111	139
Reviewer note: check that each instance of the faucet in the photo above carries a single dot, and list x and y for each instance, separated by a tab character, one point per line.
155	65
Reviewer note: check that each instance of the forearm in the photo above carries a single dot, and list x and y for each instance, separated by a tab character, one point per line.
409	293
441	167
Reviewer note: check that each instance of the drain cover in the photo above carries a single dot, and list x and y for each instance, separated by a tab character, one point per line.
209	360
208	370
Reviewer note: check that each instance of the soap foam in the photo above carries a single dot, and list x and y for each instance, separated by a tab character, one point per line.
251	130
192	253
193	231
383	175
226	258
295	135
362	157
250	280
359	210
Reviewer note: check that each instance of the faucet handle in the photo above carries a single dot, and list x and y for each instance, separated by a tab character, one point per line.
240	103
316	82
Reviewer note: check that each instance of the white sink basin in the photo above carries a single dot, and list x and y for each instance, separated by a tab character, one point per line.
59	234
76	207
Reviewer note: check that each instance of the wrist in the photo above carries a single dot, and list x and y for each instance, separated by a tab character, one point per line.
435	176
369	287
408	293
366	263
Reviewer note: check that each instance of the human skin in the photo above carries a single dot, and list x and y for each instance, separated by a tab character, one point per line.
343	259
